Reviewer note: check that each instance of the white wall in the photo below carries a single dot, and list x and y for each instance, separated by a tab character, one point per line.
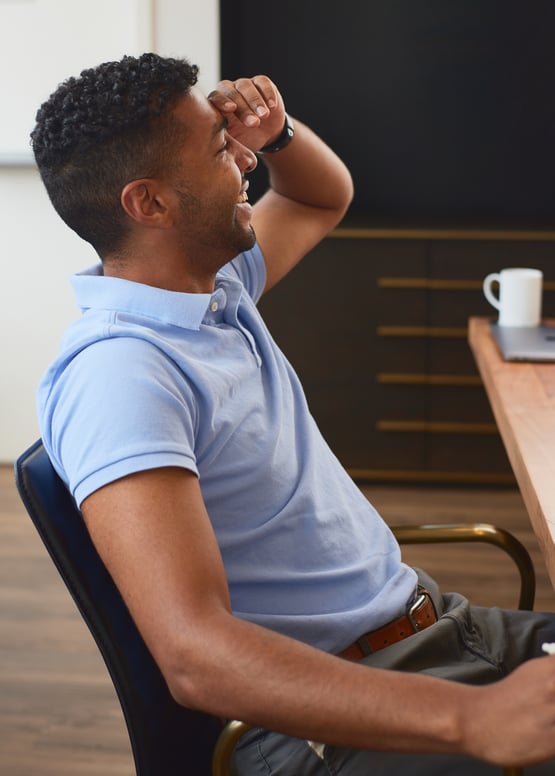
190	29
38	252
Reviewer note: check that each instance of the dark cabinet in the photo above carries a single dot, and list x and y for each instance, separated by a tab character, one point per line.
443	112
375	323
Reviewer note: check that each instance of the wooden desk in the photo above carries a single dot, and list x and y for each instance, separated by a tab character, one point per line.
522	396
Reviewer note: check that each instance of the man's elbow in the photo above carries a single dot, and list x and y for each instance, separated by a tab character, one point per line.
187	684
184	691
344	193
192	674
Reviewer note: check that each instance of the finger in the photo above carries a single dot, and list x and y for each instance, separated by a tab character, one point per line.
251	107
253	98
230	102
259	94
221	101
267	89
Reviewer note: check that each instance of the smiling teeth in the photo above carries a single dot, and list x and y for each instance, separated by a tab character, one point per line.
243	197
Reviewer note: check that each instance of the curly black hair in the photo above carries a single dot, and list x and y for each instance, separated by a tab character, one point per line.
103	129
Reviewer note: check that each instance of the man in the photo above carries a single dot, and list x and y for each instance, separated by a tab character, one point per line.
255	570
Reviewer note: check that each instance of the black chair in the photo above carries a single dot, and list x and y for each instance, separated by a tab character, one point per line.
166	738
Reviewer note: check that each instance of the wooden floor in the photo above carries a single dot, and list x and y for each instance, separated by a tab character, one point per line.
58	711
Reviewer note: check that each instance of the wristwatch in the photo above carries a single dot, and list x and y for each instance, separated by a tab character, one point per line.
282	140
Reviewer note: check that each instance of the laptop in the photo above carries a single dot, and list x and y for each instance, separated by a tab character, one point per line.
527	343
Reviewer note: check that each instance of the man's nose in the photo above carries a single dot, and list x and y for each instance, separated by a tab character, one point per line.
249	159
252	161
244	157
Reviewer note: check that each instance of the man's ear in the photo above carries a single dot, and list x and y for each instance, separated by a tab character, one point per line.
146	202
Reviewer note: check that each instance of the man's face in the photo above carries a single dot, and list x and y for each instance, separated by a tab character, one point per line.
208	177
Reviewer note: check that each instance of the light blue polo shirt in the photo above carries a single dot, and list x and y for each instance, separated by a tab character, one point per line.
149	378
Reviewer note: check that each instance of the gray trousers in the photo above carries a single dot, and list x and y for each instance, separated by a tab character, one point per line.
469	644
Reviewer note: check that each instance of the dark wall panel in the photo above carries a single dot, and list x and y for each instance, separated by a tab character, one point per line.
443	110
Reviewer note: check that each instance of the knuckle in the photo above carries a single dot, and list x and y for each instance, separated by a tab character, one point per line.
243	83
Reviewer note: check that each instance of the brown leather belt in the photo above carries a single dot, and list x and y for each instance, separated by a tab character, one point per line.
421	614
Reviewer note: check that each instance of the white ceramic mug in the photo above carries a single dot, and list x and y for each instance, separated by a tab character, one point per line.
520	295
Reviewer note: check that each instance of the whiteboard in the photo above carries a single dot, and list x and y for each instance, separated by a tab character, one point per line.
44	42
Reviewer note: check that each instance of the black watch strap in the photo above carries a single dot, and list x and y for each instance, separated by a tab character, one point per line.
283	140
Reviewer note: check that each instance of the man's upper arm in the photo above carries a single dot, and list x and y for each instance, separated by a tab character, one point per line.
154	535
310	191
286	230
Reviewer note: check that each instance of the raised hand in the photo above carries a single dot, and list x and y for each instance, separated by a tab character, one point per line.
253	107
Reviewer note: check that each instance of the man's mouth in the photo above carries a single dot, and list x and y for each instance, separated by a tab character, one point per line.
243	196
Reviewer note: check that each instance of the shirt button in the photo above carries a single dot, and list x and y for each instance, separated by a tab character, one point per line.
214	306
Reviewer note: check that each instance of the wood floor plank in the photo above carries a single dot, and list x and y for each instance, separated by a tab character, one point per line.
59	714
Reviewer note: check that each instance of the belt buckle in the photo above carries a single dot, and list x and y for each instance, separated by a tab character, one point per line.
414	608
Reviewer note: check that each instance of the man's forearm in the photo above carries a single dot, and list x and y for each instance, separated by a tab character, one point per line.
271	681
308	171
249	673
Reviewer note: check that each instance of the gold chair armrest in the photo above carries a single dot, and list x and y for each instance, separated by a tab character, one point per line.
421	534
223	751
478	532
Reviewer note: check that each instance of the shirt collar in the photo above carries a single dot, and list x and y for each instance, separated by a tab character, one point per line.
93	290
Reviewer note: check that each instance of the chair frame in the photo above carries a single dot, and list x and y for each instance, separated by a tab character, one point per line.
166	738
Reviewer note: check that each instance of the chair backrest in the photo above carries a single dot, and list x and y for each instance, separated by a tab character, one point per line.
166	738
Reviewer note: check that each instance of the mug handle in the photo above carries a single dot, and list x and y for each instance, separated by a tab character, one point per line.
488	293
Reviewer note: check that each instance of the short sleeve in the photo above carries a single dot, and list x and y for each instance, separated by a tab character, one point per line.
120	406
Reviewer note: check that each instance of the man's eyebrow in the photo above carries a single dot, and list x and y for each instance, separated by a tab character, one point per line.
220	126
